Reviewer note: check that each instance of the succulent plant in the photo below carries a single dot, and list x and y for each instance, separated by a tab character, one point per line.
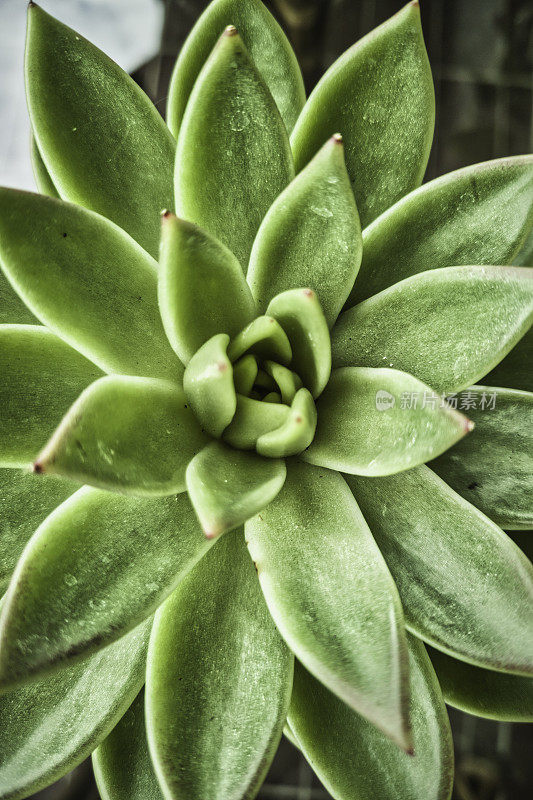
267	395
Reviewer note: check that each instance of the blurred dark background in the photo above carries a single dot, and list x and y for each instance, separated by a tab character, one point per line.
481	52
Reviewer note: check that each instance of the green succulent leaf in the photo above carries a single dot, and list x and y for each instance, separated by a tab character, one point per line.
86	280
25	501
208	385
482	692
213	731
43	181
202	289
233	156
51	726
112	560
268	46
354	760
254	418
12	308
492	469
228	486
122	765
245	373
40	377
287	382
133	435
466	588
296	433
514	371
379	97
263	337
476	215
311	236
101	139
368	425
448	327
331	595
301	317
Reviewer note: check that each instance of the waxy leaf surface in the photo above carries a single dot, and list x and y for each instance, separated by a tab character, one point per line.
331	595
493	468
25	501
122	765
311	236
233	156
133	435
366	428
52	725
111	559
213	731
301	317
41	376
228	486
86	280
253	419
482	692
12	308
448	327
465	586
268	46
202	289
102	140
265	338
43	181
355	761
208	385
476	215
297	431
379	97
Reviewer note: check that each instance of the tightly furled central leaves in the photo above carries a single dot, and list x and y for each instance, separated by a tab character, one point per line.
281	372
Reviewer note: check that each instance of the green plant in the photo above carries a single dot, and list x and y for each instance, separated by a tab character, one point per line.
198	394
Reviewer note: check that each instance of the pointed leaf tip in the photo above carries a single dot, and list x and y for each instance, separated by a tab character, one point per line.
337	138
230	30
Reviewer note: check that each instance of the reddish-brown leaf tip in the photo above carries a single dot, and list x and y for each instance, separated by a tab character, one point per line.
469	425
230	30
337	138
37	467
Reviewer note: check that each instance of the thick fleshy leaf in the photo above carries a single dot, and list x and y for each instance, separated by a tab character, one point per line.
515	371
465	586
354	761
228	486
12	308
41	376
233	156
448	327
368	423
311	236
52	725
524	257
133	435
288	382
103	142
254	418
482	692
493	468
218	681
208	385
25	501
122	765
301	317
263	337
331	595
202	289
244	374
379	97
111	559
43	181
297	431
476	215
88	281
268	46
